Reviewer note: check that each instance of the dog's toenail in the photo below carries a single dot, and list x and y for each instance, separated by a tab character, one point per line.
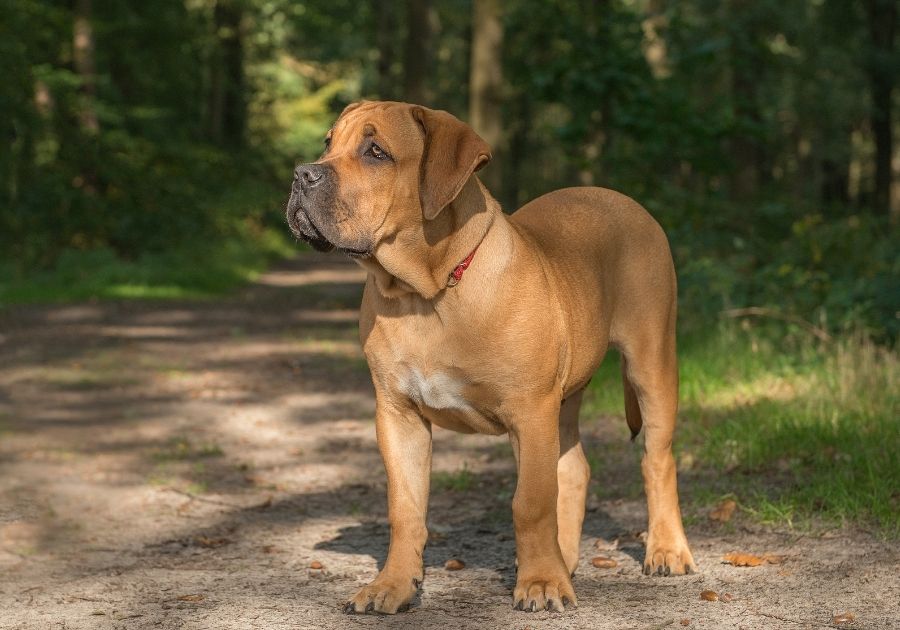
348	608
667	572
518	605
533	607
370	607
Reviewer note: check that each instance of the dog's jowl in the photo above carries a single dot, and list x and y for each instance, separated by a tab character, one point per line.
481	322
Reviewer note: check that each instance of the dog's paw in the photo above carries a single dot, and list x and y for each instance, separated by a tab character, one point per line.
539	593
384	595
668	558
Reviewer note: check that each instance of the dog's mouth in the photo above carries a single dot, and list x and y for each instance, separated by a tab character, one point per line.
303	227
355	253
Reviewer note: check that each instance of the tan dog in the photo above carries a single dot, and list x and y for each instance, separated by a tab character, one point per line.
505	346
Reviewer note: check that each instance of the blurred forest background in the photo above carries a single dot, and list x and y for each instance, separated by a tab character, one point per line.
147	146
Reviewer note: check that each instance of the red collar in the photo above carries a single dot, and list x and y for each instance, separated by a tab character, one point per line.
457	273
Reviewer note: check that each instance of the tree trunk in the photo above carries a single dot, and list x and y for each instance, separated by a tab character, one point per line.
882	28
227	107
486	85
83	58
836	149
513	171
386	34
416	57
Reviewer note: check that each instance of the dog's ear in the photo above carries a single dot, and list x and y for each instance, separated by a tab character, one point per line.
453	151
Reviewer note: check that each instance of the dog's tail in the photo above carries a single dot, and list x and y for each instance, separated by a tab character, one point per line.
632	409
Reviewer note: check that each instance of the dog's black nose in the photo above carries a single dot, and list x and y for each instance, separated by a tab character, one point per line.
309	174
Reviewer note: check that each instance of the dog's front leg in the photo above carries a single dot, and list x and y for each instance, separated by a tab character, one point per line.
404	439
543	581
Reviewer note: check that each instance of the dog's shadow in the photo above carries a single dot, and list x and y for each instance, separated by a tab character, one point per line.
486	544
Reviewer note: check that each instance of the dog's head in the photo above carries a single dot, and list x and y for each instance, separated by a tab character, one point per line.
386	166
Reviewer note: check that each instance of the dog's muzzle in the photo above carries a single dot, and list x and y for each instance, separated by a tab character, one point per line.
307	180
311	211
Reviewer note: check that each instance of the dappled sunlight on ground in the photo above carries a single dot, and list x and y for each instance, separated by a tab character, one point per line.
168	464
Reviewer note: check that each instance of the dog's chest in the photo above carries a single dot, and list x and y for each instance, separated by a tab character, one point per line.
447	399
437	390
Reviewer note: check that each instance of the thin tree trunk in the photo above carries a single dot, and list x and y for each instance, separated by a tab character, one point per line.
83	58
486	85
882	28
387	31
416	57
518	150
227	105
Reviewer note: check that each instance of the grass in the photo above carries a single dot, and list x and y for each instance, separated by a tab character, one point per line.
202	267
199	272
459	481
799	432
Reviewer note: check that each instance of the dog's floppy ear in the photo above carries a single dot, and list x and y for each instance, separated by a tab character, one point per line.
453	151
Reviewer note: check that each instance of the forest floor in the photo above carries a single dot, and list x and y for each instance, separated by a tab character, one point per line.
182	464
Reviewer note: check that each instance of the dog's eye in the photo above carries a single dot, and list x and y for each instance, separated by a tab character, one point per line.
377	152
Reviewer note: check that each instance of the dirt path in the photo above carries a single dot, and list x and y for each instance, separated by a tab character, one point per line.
181	465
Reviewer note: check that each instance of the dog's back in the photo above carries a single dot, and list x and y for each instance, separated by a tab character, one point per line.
608	246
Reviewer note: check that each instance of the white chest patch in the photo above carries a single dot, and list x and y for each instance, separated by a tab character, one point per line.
435	391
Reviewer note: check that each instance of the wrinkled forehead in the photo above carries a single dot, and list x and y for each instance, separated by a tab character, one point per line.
391	123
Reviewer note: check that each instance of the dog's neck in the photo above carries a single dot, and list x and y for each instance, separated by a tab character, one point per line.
420	261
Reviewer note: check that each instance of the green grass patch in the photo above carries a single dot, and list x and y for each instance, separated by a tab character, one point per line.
202	271
459	481
239	246
800	432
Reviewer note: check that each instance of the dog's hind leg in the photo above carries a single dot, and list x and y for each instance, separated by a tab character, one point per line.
573	475
632	408
651	369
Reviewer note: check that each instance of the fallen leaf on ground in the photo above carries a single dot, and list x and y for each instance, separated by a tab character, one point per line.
269	548
191	598
604	563
605	545
742	559
210	543
726	597
315	564
709	596
685	622
751	560
723	511
844	617
454	564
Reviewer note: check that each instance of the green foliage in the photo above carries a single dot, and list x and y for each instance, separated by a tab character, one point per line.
742	126
784	423
237	247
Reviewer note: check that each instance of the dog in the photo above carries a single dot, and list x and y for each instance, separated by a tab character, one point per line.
482	322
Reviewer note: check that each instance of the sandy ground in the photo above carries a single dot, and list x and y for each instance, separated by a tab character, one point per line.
182	464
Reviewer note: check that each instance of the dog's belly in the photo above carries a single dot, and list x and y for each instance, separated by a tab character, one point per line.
446	401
